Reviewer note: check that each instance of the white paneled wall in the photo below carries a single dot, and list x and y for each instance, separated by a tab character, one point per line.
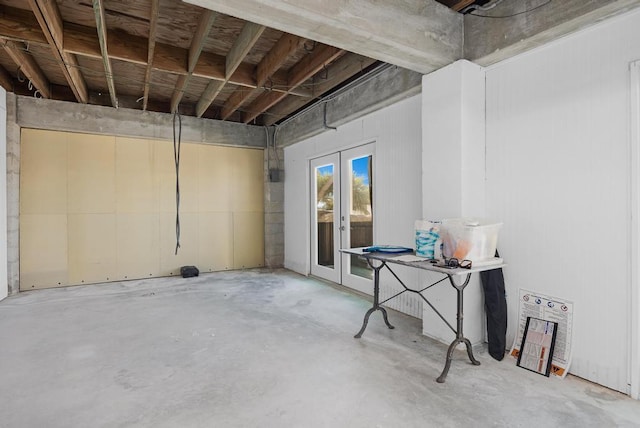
396	131
3	196
558	175
453	138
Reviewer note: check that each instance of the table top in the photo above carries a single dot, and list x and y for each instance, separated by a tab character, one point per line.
426	264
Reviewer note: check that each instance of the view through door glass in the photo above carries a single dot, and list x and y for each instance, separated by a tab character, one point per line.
361	211
325	214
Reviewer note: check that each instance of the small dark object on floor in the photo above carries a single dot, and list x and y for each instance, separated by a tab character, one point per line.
189	271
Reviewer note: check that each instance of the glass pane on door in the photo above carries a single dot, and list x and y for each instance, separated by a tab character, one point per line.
361	211
325	199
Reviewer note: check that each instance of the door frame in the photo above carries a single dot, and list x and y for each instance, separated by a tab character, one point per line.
315	269
356	282
634	301
365	286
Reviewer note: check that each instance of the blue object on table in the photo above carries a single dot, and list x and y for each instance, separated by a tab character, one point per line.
387	249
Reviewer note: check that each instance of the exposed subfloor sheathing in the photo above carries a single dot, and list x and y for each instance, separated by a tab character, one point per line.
259	349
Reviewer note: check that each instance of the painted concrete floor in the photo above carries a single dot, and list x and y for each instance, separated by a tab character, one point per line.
259	349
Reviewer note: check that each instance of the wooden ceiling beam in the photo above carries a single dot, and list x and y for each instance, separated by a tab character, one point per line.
82	40
151	46
101	28
195	49
48	16
313	63
207	19
178	91
28	66
305	69
167	58
210	93
344	68
5	79
19	24
458	5
272	61
248	37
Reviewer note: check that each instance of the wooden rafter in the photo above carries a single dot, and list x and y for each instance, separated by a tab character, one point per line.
275	92
248	37
153	27
207	19
19	24
272	61
48	16
5	79
344	68
461	4
101	28
28	66
306	68
82	40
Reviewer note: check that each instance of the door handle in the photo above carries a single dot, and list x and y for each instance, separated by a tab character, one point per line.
342	228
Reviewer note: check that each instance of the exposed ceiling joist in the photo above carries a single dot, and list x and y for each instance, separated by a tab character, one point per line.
28	66
20	24
101	28
151	46
342	69
202	32
458	5
82	40
195	49
5	79
248	37
302	71
272	61
210	93
48	16
421	35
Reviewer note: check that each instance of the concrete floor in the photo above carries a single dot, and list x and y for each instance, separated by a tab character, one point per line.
259	349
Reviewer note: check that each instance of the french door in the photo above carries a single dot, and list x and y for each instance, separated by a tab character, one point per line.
342	215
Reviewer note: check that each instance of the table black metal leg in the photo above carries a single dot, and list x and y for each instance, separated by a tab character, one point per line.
386	319
376	301
459	331
365	322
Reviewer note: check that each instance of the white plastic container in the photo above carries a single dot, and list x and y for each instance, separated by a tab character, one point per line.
469	238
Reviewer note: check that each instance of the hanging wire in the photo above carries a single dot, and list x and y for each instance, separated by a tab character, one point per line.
176	156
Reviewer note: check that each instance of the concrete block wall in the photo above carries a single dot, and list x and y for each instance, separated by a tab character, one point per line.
274	210
13	195
72	117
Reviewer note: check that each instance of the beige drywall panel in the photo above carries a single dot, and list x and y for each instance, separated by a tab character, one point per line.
166	168
43	251
99	208
43	172
215	240
91	173
248	239
248	180
92	248
137	190
138	245
215	177
170	262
